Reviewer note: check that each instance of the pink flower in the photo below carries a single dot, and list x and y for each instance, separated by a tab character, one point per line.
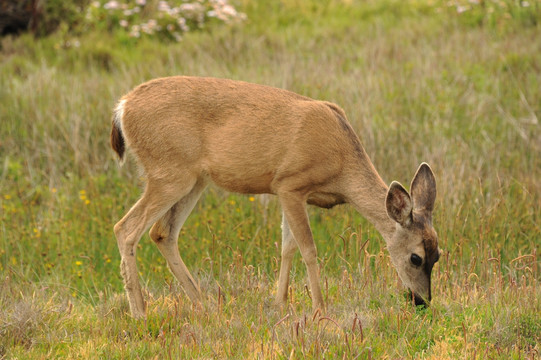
112	5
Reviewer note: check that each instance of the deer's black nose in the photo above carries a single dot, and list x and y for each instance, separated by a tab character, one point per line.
418	300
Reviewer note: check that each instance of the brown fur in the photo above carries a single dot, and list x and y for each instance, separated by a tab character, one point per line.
186	132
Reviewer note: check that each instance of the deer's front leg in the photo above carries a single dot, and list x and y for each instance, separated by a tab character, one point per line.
294	207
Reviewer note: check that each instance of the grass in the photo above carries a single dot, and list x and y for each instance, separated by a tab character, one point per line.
419	82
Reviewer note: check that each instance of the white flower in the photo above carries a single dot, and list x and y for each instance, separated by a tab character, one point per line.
164	6
191	9
141	2
182	24
123	23
135	32
229	10
112	5
460	9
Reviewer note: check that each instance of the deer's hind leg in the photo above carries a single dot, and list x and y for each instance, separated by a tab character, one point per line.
289	248
165	234
158	198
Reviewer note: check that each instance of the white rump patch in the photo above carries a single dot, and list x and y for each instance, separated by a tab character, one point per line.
119	113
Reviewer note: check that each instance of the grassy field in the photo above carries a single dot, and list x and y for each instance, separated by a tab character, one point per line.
428	81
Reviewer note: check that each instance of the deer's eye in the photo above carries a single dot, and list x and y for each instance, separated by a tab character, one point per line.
416	260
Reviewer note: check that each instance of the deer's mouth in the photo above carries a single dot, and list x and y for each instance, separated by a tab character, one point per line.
418	300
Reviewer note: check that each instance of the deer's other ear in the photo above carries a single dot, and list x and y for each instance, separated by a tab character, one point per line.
399	204
423	189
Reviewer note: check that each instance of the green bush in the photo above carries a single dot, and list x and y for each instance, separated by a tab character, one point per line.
52	13
497	13
165	19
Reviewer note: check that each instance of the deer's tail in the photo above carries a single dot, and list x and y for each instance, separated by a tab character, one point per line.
117	138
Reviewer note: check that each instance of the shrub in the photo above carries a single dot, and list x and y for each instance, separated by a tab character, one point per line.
500	14
166	20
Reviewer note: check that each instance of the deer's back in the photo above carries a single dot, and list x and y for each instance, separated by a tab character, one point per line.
244	136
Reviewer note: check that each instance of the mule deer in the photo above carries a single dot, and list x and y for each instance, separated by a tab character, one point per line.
187	131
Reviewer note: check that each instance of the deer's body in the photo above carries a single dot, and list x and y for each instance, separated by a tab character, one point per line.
186	132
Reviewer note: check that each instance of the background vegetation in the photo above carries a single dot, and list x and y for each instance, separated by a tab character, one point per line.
455	84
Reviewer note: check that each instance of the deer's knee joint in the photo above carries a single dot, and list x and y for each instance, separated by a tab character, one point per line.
158	234
117	229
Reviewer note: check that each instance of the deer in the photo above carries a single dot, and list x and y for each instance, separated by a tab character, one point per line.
187	132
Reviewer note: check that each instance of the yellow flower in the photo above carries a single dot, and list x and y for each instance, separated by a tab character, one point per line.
78	263
251	198
7	196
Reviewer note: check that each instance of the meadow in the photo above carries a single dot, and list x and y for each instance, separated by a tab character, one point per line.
454	84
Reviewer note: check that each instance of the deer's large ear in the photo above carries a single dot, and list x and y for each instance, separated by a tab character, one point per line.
399	204
423	189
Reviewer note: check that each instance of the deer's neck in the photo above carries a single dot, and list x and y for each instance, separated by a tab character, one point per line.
367	195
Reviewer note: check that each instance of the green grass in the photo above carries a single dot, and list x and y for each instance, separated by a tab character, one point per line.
418	81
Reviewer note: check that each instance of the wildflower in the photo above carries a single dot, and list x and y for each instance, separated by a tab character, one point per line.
460	9
78	263
123	23
112	5
163	6
141	2
134	32
182	24
7	196
82	196
251	198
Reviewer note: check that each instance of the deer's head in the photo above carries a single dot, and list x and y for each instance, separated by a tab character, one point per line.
414	244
